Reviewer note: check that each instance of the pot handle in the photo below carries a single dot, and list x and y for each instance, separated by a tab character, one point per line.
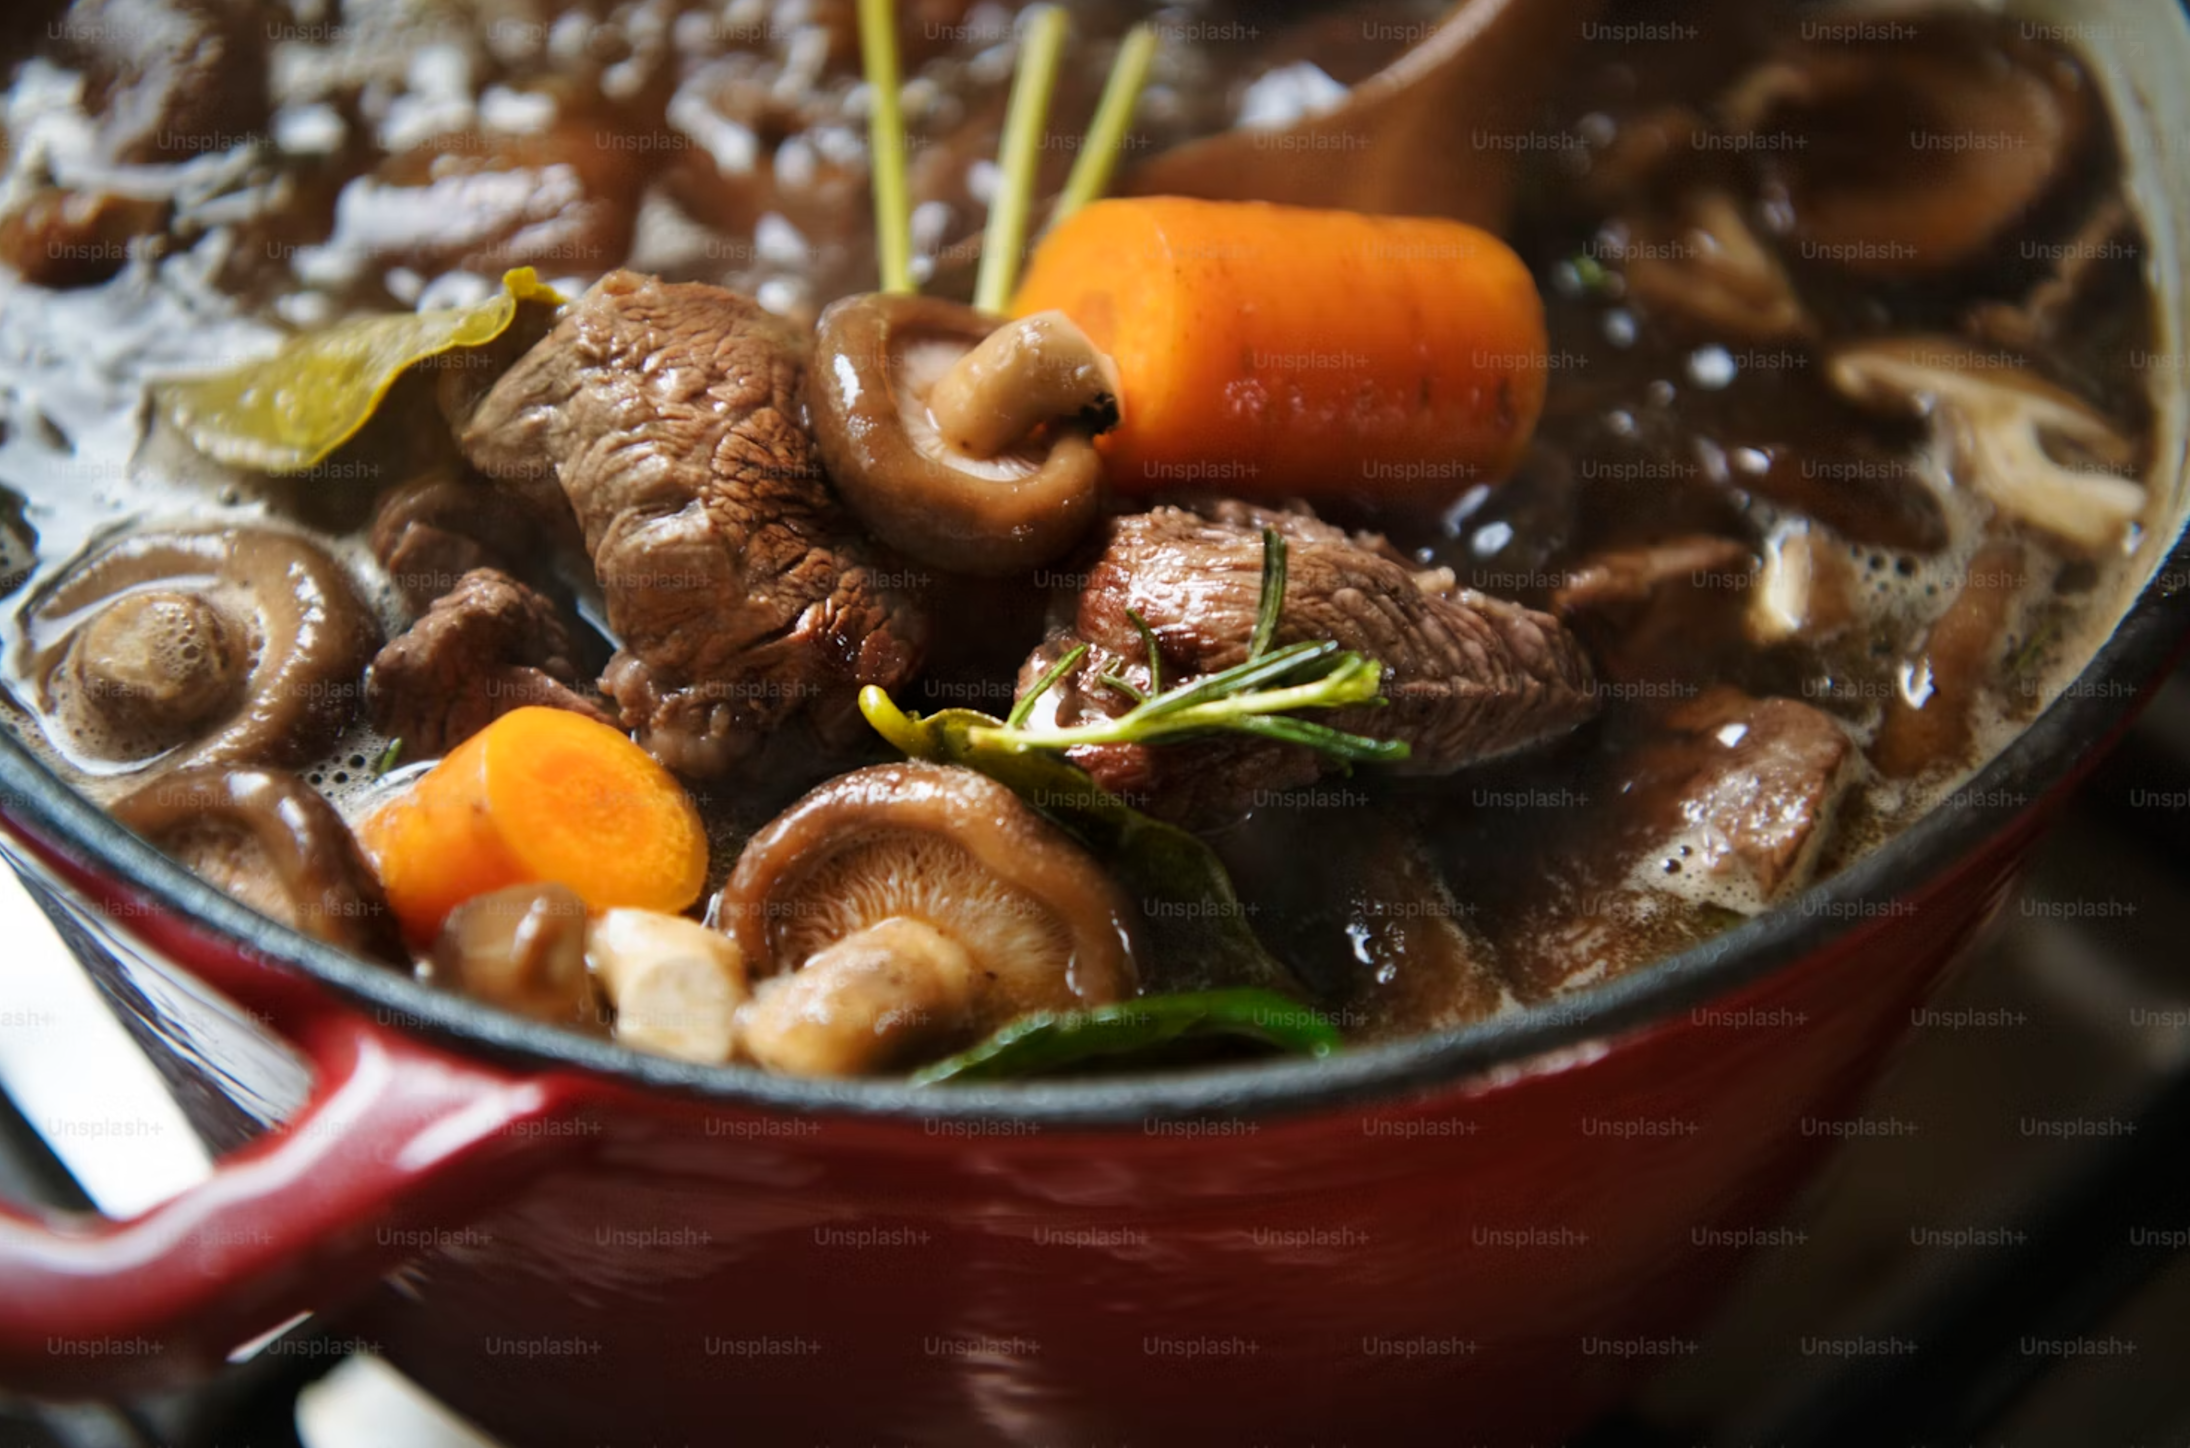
399	1141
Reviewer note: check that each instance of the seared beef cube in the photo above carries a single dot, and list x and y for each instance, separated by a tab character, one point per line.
1742	795
1662	611
743	595
1469	676
486	647
429	534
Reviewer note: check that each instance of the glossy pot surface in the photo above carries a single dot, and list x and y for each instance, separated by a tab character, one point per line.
1486	1235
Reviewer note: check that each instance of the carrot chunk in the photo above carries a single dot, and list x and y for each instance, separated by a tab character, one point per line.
1272	351
538	795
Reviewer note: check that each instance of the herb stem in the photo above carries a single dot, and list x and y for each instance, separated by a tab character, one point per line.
886	145
1043	685
1025	117
1271	602
1107	132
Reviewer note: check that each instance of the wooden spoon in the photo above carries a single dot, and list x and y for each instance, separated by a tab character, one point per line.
1437	132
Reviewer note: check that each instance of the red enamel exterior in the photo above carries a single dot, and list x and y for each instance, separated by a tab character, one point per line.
591	1264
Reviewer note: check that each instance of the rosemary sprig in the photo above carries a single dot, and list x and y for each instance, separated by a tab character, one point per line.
886	145
1271	601
1106	133
1256	696
1043	685
1026	116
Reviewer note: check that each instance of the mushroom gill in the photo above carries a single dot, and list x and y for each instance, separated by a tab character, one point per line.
272	841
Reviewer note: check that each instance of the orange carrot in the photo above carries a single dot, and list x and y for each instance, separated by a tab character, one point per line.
539	794
1273	351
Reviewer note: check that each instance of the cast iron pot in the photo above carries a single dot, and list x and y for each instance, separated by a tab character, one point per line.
1486	1235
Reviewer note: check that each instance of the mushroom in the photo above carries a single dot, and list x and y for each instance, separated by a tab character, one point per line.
676	984
1024	375
2000	419
231	647
902	910
273	842
524	949
1715	272
1930	724
885	996
1806	589
1011	478
1914	153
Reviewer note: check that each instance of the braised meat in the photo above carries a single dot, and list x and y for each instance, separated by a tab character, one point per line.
1655	611
1742	795
1469	676
670	415
489	645
429	534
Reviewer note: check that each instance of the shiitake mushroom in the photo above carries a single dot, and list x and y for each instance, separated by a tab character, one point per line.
273	842
902	910
236	646
1014	481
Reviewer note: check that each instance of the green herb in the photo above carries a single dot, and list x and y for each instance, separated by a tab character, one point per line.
285	414
1106	133
1271	601
1025	117
1195	919
1257	696
2032	650
1043	685
388	757
1054	1040
886	145
1591	273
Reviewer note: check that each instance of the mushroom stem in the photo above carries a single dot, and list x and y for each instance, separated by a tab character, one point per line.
676	985
879	998
1029	372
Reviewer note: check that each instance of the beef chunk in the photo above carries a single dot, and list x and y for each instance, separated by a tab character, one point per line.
1660	611
429	534
1468	676
1741	796
742	593
486	647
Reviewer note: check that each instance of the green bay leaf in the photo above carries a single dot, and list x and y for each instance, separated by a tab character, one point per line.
287	412
1047	1041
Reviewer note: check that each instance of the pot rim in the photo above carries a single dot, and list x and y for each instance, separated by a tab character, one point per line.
2043	758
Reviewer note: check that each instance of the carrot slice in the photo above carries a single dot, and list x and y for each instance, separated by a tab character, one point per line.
1273	351
538	795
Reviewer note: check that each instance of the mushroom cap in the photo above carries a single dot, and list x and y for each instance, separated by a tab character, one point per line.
236	646
275	843
1045	926
876	359
2004	122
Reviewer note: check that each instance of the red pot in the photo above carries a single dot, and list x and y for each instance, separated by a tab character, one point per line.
1487	1235
1501	1228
